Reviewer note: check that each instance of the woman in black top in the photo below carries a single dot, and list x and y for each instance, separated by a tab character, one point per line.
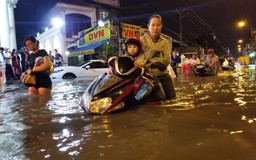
43	84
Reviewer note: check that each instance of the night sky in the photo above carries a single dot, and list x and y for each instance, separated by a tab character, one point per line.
30	17
221	15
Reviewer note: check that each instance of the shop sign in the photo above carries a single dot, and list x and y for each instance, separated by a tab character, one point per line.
94	34
129	30
85	52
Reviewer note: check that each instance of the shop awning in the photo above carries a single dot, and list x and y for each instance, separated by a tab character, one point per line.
88	49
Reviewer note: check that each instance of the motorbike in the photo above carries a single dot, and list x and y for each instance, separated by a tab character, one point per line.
200	69
228	64
112	92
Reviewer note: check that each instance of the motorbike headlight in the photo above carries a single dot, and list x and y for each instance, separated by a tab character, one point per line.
99	105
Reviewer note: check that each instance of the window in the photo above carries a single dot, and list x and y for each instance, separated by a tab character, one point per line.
97	65
103	14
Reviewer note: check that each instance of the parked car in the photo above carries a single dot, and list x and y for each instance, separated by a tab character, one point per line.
88	70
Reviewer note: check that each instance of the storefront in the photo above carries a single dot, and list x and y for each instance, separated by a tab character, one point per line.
94	42
84	53
103	41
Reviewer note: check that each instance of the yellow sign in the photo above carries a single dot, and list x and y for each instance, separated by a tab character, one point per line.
91	51
97	35
94	34
244	60
129	30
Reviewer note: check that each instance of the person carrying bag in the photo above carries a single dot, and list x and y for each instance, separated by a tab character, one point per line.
37	77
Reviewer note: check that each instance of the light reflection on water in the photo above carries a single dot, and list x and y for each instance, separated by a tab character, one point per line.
211	118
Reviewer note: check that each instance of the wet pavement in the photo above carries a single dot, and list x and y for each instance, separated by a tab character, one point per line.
211	118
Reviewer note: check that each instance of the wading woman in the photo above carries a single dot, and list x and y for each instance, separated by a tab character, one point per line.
43	84
157	50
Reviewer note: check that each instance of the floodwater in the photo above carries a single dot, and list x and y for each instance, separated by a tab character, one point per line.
211	118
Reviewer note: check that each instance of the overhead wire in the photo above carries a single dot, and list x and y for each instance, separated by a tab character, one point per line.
158	9
209	27
194	14
200	20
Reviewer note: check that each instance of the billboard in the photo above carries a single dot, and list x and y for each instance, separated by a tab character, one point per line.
129	30
94	34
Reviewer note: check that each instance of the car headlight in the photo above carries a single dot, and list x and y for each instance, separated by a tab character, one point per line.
59	70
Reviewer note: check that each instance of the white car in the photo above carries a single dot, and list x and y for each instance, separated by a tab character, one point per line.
88	70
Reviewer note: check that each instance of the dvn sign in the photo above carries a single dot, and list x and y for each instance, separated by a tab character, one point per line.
97	35
90	36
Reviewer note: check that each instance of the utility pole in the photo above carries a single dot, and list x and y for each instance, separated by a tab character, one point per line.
181	11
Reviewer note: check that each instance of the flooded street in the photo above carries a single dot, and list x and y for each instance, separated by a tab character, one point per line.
211	118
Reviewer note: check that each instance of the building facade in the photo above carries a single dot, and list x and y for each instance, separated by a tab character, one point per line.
7	31
59	36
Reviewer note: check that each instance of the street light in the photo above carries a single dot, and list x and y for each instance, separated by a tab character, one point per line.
239	48
57	22
240	41
101	23
243	23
